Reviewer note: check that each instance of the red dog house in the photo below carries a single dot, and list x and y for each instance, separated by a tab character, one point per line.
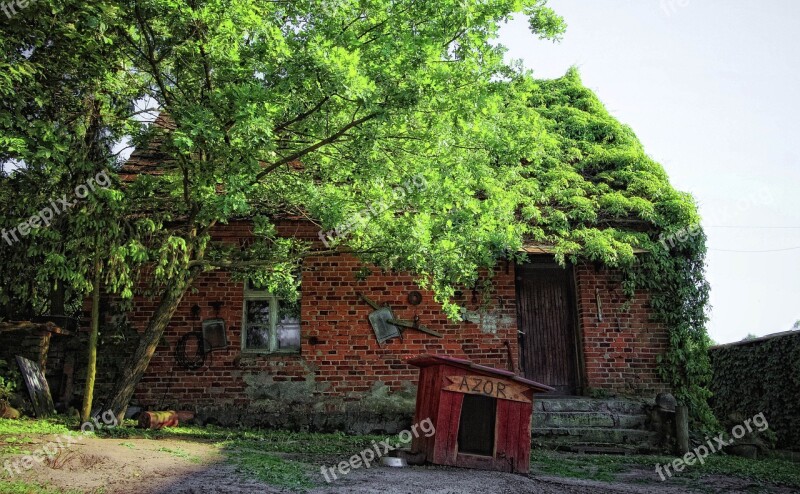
482	415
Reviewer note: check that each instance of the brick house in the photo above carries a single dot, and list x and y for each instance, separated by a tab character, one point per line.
318	364
321	366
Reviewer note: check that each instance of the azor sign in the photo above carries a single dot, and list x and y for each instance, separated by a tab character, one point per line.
487	386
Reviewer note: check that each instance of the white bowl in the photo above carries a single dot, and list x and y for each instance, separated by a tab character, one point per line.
390	461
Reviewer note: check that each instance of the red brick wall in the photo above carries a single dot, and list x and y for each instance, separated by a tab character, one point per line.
620	350
342	357
338	346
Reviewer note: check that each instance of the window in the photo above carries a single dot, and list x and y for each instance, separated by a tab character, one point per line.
270	324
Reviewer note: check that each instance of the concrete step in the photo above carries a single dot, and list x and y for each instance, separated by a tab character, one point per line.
593	425
581	438
589	419
579	404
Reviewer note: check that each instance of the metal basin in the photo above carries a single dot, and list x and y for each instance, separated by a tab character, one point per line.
390	461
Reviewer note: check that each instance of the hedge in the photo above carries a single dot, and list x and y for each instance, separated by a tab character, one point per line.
757	376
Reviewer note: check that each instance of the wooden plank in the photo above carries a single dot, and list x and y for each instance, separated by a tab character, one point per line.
38	389
447	433
469	367
435	402
501	435
524	445
455	416
482	462
502	389
448	406
420	409
426	402
44	327
513	436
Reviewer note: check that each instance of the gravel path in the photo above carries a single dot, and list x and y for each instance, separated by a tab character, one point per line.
440	480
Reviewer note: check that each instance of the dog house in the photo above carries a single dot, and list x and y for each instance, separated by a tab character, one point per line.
482	415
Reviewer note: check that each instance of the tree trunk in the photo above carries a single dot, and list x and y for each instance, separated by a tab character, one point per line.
138	362
91	367
57	299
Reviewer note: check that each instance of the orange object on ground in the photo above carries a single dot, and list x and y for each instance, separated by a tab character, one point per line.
158	420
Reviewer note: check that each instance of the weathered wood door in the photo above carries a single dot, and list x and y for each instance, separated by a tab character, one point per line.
546	321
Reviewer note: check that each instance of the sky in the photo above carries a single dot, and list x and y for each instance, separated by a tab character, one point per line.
712	89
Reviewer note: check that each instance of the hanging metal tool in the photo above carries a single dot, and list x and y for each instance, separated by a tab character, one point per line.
386	326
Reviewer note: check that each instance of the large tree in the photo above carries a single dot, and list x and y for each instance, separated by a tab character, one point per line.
64	105
320	109
396	126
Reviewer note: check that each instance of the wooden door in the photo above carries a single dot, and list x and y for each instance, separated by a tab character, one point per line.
546	320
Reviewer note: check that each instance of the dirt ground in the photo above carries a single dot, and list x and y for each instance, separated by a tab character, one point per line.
145	466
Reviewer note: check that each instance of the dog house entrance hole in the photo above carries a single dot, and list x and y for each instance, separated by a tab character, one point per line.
476	426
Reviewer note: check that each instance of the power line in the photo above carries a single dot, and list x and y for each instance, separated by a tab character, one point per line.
757	227
756	251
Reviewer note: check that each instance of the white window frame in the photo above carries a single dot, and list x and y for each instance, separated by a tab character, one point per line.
274	309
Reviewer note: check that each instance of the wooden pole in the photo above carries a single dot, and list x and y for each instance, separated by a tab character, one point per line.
91	367
682	428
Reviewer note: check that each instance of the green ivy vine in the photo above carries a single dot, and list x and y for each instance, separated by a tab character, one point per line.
602	198
679	297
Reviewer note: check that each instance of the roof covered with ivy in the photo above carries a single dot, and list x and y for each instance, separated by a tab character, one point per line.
598	187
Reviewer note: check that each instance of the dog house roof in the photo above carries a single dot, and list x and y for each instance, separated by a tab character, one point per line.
429	360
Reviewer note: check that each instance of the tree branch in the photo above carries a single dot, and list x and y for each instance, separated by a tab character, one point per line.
310	149
301	116
228	264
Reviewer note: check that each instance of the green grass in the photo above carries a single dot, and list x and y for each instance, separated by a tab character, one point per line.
272	469
773	470
585	466
9	427
13	450
281	458
178	452
607	467
15	434
12	445
291	459
18	440
283	441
